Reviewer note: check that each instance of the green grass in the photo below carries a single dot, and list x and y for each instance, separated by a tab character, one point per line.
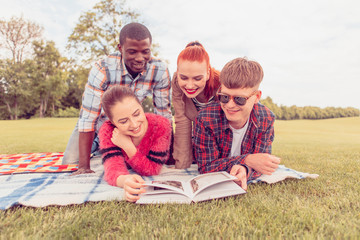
35	135
324	208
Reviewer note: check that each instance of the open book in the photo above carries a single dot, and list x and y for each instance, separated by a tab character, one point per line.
199	188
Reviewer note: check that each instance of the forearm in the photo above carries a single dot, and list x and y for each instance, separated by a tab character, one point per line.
147	165
219	164
259	158
85	142
162	98
130	150
182	154
113	168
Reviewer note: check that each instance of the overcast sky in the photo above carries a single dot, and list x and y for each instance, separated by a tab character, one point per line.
309	49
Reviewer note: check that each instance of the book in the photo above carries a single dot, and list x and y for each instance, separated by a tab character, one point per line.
196	189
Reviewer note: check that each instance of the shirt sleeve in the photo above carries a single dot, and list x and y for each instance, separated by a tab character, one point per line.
113	157
182	154
161	95
91	100
263	143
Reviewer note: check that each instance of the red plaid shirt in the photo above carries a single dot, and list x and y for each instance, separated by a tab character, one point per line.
213	138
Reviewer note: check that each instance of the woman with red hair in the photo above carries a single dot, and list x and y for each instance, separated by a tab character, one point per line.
194	86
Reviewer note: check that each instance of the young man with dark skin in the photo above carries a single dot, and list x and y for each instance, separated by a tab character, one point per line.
134	67
235	134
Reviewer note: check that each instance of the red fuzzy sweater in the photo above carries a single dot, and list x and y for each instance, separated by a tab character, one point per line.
152	152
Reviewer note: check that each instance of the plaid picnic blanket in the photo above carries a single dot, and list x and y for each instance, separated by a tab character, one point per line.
60	188
33	162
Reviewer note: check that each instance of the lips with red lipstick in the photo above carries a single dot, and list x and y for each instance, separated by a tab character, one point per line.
191	91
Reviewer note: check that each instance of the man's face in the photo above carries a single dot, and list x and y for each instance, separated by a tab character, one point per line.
238	115
136	54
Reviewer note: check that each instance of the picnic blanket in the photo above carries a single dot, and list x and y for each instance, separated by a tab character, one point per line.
40	189
33	162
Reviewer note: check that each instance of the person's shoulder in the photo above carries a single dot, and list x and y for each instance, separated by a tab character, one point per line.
263	111
106	129
111	60
158	63
107	125
159	124
264	116
211	112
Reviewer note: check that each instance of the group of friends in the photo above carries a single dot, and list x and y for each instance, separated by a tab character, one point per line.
219	122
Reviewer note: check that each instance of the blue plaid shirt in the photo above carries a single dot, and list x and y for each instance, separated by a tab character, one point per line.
153	82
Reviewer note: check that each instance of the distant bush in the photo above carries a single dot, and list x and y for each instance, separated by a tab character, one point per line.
308	112
67	113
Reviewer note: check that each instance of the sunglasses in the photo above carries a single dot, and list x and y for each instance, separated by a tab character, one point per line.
241	101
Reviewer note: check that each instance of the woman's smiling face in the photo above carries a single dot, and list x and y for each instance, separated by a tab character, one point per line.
129	117
192	77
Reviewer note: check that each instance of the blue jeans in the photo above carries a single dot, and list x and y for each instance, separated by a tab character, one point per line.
71	154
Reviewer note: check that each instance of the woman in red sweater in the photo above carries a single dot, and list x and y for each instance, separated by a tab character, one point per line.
131	139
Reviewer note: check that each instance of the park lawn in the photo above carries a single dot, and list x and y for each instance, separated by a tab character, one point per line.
35	135
324	208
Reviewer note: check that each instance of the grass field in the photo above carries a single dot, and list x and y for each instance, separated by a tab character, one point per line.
324	208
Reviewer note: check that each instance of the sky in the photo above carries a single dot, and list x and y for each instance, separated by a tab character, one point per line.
309	49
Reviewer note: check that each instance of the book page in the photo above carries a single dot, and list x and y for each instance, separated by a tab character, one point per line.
203	181
162	186
219	190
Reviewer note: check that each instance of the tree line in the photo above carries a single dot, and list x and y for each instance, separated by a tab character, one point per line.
36	80
308	112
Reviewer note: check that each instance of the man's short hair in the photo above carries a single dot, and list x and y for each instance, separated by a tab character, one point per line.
135	31
241	73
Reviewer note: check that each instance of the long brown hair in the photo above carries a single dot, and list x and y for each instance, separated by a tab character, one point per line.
195	52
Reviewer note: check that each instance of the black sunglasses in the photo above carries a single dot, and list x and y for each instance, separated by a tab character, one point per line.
241	101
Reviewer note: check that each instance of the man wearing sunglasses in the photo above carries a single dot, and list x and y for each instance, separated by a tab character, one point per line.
235	134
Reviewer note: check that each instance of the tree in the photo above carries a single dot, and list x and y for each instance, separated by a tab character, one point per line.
48	77
16	36
76	81
14	86
97	31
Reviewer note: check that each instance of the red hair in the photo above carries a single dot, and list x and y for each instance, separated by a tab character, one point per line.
195	52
